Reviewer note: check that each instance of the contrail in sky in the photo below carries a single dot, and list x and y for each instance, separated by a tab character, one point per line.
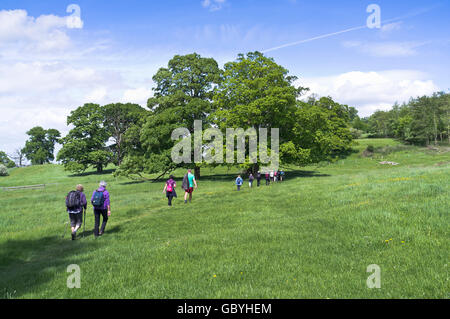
416	13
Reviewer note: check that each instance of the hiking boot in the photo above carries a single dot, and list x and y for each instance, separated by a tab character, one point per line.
74	235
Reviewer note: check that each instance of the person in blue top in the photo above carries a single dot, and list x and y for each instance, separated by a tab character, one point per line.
281	175
102	207
239	182
188	185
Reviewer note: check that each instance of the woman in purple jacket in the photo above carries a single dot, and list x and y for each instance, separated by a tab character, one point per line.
100	201
76	213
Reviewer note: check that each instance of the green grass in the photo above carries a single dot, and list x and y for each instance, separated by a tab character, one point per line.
312	236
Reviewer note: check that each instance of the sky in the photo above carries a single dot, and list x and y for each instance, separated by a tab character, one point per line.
55	58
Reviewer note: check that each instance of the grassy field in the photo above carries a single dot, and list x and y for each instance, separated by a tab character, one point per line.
312	236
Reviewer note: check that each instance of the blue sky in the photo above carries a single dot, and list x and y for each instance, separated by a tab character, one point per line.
111	55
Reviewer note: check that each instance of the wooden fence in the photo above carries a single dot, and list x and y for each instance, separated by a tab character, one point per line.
23	187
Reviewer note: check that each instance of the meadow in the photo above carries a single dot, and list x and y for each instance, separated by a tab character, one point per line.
311	236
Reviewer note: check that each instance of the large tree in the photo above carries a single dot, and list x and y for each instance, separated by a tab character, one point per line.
321	130
119	118
40	146
85	144
182	95
257	93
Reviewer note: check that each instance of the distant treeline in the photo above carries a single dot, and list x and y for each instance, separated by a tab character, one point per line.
422	121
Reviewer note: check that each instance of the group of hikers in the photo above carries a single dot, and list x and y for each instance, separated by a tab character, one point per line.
76	201
272	176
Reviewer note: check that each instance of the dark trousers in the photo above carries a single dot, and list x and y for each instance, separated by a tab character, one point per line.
259	182
239	187
97	213
169	197
267	181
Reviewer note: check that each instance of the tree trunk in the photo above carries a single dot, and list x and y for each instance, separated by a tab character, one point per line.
435	129
119	152
99	168
197	172
448	127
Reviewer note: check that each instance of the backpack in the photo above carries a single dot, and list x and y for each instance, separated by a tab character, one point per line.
169	187
73	200
98	200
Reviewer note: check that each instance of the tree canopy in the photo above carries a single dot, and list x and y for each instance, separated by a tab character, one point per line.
5	160
40	146
257	93
423	120
183	94
85	144
118	118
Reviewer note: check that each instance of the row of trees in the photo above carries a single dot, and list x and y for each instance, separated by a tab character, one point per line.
251	92
39	148
98	136
422	121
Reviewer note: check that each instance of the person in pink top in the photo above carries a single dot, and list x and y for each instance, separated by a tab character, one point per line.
169	189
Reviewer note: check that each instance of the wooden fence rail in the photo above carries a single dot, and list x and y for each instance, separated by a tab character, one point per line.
23	187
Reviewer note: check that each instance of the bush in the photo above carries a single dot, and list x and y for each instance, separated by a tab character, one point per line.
356	134
370	148
3	170
11	164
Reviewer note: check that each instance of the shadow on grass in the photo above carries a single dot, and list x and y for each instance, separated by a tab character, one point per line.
137	182
104	172
26	265
301	173
232	176
219	177
90	232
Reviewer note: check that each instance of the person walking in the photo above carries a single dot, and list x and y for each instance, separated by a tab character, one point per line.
102	207
169	189
281	175
267	179
188	185
271	176
251	178
239	182
75	203
258	179
275	176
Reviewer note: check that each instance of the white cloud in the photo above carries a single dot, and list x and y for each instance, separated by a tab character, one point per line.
43	94
138	96
386	49
213	5
98	95
370	91
391	26
44	33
